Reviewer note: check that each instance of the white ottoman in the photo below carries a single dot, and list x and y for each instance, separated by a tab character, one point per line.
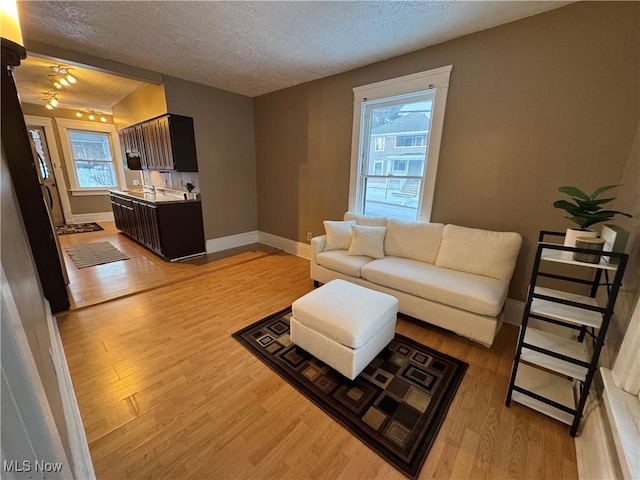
344	325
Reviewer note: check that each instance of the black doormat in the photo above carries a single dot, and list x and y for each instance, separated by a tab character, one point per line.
395	406
78	228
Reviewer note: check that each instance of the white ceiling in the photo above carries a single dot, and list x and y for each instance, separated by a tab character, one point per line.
256	47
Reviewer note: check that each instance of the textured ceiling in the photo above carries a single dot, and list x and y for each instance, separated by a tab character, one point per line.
94	90
257	47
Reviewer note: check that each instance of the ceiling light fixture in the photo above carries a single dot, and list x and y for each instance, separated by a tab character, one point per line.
50	100
91	115
62	76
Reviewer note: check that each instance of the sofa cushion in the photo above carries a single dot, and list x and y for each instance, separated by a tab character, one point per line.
367	241
339	261
492	254
367	220
338	235
414	240
466	291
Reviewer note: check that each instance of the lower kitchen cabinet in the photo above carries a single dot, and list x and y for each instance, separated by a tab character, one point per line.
172	230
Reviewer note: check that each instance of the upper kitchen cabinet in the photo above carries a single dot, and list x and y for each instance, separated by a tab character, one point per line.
162	143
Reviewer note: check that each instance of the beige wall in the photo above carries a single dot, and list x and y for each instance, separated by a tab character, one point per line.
535	104
143	103
22	279
79	205
223	124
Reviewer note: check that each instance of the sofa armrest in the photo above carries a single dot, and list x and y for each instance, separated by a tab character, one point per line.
317	246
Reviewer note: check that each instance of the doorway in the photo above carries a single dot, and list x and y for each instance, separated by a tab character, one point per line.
46	175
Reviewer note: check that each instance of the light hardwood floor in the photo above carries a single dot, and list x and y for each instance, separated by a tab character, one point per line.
166	393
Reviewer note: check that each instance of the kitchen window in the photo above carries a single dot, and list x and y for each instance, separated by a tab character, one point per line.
410	109
94	164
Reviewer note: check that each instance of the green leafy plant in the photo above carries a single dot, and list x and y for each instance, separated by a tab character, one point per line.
587	209
189	186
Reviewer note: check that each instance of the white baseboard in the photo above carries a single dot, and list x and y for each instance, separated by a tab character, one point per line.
623	418
81	458
593	450
513	312
290	246
232	241
92	217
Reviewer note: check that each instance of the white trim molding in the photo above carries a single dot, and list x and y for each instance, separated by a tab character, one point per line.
513	310
594	456
47	124
92	217
436	82
78	444
231	241
298	249
64	125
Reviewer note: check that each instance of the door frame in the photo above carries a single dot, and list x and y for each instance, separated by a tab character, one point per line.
52	143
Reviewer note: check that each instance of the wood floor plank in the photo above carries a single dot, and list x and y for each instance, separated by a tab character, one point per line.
166	392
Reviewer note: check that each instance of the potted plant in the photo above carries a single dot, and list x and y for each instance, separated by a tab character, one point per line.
190	188
585	211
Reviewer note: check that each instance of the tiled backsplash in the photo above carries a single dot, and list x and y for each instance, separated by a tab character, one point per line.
171	180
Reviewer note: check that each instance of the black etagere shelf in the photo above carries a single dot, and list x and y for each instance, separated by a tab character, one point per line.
553	373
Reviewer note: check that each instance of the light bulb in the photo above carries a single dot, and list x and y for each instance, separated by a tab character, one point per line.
63	81
71	78
103	120
57	84
54	102
49	106
92	117
78	114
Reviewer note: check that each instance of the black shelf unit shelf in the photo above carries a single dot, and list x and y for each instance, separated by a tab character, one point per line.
552	373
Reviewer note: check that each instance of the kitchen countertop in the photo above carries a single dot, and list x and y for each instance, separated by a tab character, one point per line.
158	197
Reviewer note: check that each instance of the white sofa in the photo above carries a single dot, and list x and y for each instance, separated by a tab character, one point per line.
454	277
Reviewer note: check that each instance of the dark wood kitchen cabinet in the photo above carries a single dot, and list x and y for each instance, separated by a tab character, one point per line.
172	230
164	143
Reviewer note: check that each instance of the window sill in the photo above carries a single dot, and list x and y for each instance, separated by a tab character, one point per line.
91	192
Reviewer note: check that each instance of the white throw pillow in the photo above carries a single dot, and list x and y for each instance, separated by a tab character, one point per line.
367	241
368	220
415	240
483	252
338	235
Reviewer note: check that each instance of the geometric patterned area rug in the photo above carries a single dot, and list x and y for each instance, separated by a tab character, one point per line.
91	254
395	406
78	228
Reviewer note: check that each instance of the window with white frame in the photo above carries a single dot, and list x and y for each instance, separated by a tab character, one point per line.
411	109
379	144
93	162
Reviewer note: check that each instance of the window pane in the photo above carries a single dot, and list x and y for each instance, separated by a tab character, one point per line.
90	145
396	134
36	135
392	197
93	174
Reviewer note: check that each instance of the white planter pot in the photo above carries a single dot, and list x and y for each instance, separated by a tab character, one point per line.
573	233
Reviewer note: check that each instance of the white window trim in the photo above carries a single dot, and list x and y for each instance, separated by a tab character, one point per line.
64	125
437	78
375	145
47	124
